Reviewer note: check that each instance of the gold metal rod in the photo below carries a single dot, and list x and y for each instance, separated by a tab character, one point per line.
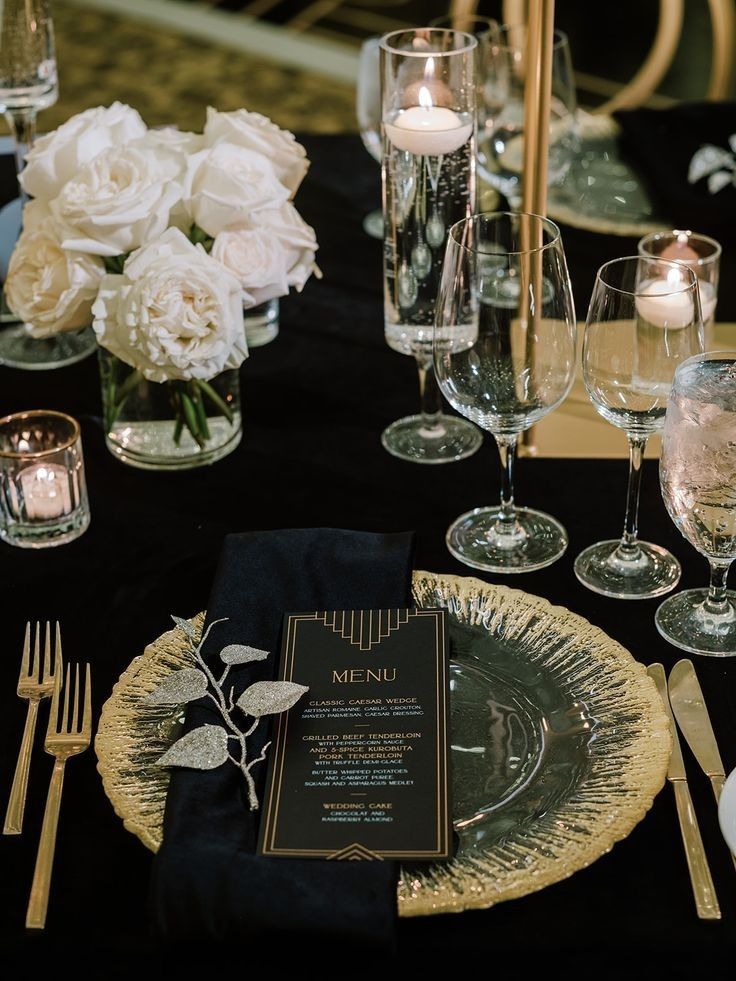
533	64
546	49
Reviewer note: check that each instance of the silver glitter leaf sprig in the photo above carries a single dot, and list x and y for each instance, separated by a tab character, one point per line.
715	163
204	748
179	688
241	654
209	746
270	697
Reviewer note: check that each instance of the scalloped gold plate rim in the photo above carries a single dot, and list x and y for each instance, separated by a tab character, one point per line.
613	798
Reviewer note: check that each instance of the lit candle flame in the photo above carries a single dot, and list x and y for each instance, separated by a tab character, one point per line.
425	97
674	278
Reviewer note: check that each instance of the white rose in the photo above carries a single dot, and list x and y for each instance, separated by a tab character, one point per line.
297	238
57	157
175	139
49	288
121	199
256	132
257	258
225	184
174	313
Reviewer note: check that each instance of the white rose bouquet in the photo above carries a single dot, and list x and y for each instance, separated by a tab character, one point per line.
160	239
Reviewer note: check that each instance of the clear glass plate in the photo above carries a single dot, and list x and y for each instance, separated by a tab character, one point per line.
559	745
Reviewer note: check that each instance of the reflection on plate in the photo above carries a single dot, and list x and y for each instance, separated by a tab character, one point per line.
600	192
559	744
727	812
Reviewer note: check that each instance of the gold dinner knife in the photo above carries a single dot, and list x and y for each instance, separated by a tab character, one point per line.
688	704
706	901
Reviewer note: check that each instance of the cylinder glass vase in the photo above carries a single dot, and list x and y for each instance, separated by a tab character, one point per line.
428	96
171	425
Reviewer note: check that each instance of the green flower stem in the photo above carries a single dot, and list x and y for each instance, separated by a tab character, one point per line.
196	396
219	403
190	418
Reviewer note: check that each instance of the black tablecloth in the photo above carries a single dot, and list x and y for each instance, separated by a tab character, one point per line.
315	403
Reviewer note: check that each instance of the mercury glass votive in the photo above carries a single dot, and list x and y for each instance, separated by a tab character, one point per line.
43	494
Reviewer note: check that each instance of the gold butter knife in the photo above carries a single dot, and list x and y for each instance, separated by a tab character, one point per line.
688	704
706	901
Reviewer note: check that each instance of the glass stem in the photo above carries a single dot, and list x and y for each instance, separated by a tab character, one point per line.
22	123
429	393
628	550
507	452
717	602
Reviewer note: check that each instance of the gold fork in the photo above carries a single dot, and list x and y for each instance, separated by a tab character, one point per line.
33	684
62	741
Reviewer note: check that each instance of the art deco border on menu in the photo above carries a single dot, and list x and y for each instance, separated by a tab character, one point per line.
628	764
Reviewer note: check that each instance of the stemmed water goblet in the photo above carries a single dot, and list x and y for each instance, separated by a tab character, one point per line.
504	356
698	477
643	320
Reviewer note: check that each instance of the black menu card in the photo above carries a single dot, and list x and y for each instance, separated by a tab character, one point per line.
358	768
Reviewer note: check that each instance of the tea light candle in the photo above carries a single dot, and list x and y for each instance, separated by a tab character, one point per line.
45	491
428	130
659	305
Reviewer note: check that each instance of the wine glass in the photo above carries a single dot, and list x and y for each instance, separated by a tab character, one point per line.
28	79
504	356
500	140
698	475
368	111
644	319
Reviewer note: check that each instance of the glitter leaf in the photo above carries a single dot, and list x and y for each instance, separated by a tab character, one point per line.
707	159
178	688
204	748
186	626
242	654
719	180
270	697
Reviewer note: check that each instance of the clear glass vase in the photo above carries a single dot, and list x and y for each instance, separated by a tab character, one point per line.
173	425
261	323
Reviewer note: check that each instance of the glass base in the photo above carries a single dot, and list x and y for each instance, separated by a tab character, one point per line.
537	540
19	350
450	439
46	534
653	572
373	224
151	446
262	323
683	621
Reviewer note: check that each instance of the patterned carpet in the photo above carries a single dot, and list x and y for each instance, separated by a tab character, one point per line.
172	78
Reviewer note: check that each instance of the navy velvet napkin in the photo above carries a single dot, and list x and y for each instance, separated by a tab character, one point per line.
207	881
661	143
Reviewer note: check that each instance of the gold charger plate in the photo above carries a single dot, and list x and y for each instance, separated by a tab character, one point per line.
559	745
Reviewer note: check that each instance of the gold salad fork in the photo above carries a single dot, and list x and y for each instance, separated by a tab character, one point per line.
33	684
63	739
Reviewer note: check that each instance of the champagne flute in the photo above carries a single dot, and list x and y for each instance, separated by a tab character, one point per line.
368	112
504	356
28	79
698	475
644	319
